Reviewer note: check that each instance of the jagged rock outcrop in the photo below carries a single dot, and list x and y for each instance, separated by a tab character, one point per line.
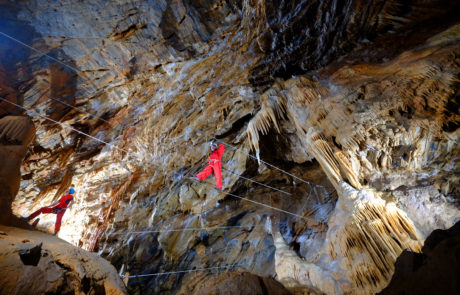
243	283
434	271
362	95
16	132
36	263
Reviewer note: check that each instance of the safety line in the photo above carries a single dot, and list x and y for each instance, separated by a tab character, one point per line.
178	230
126	151
42	53
179	271
87	79
73	107
78	72
186	229
252	201
266	185
109	144
181	229
266	163
80	110
68	126
83	76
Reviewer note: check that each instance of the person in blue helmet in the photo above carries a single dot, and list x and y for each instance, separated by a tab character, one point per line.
57	208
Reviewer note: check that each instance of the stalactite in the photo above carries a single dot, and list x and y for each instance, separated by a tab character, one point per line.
365	237
272	108
334	163
346	169
371	237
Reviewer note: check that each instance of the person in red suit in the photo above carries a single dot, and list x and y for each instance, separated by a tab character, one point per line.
214	165
57	208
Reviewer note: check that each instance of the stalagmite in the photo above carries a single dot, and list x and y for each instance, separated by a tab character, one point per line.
370	234
293	271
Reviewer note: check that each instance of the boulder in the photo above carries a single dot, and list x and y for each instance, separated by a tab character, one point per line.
243	283
435	271
36	263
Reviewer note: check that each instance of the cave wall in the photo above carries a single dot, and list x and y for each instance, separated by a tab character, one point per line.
364	93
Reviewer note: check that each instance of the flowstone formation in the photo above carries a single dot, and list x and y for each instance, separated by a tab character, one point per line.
340	122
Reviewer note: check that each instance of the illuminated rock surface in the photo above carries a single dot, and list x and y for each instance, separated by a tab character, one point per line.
360	97
37	263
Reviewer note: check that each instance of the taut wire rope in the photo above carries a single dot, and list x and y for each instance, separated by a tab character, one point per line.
68	126
177	272
266	163
128	152
78	72
255	202
262	184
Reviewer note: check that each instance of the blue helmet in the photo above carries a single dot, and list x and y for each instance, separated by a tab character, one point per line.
71	191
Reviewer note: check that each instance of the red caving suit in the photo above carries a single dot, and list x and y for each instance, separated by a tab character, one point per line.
214	165
58	209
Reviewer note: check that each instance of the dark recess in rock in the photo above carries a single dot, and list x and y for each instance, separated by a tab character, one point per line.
31	256
85	285
236	127
435	271
306	35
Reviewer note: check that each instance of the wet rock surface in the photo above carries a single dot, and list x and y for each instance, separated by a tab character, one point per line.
360	99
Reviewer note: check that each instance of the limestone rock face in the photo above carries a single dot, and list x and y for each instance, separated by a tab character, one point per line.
16	132
360	98
37	263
